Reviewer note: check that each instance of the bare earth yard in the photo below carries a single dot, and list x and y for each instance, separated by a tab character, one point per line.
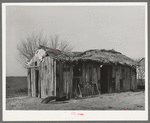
114	101
16	93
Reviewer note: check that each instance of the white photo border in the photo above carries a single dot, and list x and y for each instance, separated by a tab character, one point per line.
63	115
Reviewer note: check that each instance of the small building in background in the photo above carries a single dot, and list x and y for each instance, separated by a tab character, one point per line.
81	73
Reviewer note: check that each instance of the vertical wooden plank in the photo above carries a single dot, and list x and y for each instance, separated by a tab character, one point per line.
34	90
100	80
44	78
29	81
61	78
135	79
120	79
32	80
57	79
52	72
98	76
123	77
71	81
126	78
43	72
128	82
68	80
129	78
41	80
117	78
50	77
47	76
39	83
109	79
54	77
36	83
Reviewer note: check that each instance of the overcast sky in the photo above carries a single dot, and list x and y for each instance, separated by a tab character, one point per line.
85	27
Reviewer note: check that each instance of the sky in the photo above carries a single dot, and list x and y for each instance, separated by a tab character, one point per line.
85	27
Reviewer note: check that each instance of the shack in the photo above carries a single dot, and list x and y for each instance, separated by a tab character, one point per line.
81	74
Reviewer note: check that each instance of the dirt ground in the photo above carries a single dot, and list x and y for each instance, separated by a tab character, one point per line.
114	101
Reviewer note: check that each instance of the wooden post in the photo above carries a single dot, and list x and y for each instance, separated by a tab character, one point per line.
32	81
57	79
39	83
54	77
60	78
51	81
29	82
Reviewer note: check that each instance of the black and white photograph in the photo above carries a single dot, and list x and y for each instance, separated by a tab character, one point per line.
75	61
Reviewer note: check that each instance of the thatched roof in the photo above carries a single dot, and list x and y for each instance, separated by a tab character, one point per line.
55	53
103	56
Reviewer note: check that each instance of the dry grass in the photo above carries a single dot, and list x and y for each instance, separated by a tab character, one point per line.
16	86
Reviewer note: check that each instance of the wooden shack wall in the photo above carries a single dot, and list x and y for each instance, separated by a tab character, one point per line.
90	72
133	79
127	75
42	80
64	79
55	80
48	80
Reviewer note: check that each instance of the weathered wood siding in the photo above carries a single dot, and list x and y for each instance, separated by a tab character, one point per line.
113	80
47	75
117	69
64	79
133	79
33	81
29	82
54	76
90	74
128	76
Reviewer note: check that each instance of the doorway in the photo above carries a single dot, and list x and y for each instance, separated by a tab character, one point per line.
36	82
77	79
104	79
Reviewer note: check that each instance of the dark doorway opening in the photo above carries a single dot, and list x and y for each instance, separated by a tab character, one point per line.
77	78
36	82
104	79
